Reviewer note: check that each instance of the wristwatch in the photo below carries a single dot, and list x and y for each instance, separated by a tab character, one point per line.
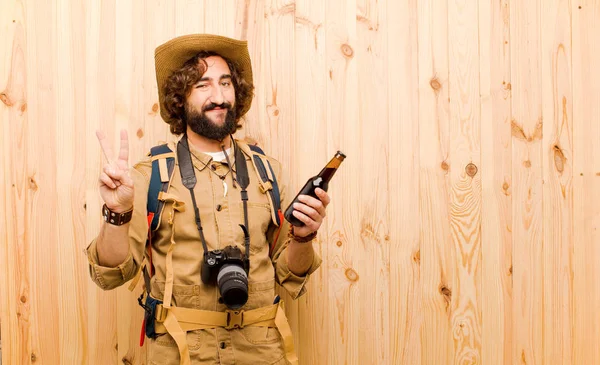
115	218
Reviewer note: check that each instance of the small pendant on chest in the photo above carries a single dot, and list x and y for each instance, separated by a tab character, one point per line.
224	188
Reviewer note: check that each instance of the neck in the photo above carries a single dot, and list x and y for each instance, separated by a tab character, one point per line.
204	144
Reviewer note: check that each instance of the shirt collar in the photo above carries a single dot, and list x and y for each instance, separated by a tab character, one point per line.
202	160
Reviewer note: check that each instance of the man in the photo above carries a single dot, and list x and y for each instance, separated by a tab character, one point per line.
197	313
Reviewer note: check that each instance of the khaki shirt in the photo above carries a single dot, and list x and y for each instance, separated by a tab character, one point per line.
221	215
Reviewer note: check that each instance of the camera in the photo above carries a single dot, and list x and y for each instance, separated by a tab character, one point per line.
228	269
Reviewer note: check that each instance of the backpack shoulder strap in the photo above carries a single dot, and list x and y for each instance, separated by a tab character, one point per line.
163	165
268	182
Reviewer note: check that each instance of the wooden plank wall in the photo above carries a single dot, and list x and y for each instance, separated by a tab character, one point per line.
465	223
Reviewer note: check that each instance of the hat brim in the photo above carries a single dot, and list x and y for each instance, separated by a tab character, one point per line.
171	56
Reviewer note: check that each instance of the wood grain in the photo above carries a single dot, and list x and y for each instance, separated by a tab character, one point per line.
70	267
43	236
129	46
373	203
343	259
586	182
527	127
557	147
279	83
17	190
313	152
405	316
464	222
465	180
496	183
100	113
436	254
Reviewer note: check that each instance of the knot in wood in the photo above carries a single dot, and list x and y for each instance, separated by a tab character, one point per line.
5	99
347	51
471	169
352	275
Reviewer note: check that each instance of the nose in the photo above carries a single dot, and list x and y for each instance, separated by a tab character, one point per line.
217	96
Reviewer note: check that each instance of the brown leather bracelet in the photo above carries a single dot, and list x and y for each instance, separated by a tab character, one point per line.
305	239
115	218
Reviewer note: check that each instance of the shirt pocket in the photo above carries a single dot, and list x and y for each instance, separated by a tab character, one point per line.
258	345
185	296
256	335
259	219
261	294
201	343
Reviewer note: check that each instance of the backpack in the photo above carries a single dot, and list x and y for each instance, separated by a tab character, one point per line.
163	165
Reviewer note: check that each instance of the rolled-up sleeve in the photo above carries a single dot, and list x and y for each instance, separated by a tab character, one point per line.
109	277
295	285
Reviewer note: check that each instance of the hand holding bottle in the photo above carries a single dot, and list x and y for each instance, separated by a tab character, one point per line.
310	211
307	211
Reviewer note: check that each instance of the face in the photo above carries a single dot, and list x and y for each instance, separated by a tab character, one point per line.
209	108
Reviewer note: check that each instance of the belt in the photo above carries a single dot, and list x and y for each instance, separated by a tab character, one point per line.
195	319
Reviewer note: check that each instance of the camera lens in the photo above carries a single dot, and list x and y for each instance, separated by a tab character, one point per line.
233	285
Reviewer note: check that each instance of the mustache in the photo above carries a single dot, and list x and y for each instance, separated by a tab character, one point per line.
211	106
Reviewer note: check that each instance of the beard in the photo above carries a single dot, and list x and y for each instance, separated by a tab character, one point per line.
202	125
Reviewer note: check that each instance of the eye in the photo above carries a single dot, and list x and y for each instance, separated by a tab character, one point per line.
226	83
201	86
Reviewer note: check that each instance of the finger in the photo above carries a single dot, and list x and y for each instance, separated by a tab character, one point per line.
115	174
104	146
124	150
308	211
322	194
311	224
313	202
126	179
106	180
110	170
120	177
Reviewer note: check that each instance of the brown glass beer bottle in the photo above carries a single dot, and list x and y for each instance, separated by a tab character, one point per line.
321	180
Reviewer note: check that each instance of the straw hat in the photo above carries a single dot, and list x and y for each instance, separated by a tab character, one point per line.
170	56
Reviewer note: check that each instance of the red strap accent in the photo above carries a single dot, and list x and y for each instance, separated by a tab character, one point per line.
149	243
150	218
280	214
143	334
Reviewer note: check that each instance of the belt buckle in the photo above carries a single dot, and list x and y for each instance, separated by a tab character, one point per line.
235	319
160	314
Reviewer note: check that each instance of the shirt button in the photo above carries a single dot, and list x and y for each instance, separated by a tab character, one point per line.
222	345
213	167
219	207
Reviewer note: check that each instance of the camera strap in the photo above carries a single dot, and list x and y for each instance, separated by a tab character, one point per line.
242	178
188	178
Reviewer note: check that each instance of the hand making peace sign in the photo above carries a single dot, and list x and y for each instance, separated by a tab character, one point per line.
116	186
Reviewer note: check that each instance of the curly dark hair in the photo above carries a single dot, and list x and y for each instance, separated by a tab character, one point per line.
179	85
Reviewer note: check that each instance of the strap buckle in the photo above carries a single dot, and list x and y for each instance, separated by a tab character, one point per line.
265	186
235	319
